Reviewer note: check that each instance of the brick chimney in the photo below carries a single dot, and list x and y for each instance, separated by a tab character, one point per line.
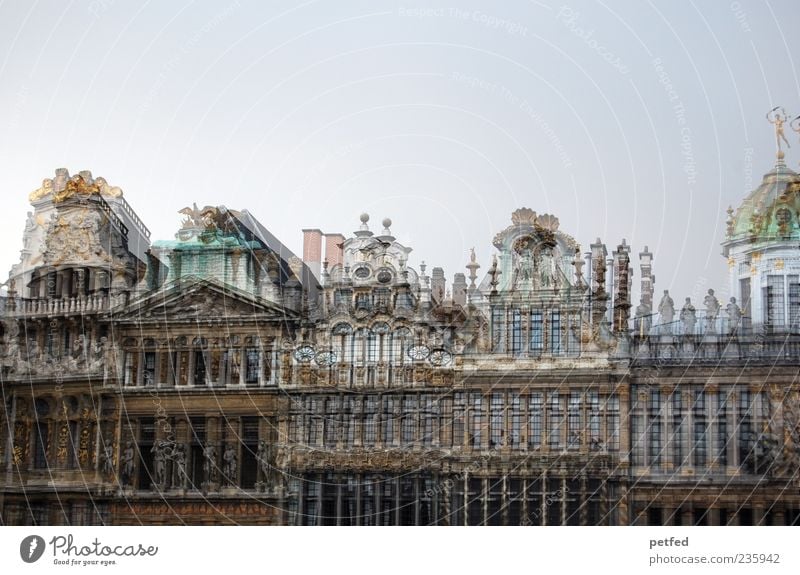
312	250
334	252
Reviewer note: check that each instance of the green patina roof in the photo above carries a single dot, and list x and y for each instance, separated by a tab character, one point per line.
211	239
771	210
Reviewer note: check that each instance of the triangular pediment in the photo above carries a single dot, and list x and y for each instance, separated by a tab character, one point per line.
193	298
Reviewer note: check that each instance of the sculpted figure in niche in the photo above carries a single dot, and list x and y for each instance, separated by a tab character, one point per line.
210	463
179	475
128	464
229	465
107	466
547	269
159	464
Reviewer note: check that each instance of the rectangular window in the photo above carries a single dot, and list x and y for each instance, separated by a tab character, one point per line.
252	365
637	431
744	302
498	330
594	420
388	421
149	373
372	347
370	413
249	467
677	429
537	341
496	435
199	368
341	298
331	423
409	427
535	416
774	313
516	421
516	331
42	439
314	418
794	303
573	334
348	428
362	301
655	422
429	415
612	405
555	417
744	426
700	428
722	428
459	408
575	421
555	332
476	423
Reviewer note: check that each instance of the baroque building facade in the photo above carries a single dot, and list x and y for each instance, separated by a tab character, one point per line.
217	378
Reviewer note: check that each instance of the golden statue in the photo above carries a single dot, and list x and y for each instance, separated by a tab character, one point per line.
76	186
778	120
46	189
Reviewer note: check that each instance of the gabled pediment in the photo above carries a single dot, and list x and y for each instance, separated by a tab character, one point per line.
202	299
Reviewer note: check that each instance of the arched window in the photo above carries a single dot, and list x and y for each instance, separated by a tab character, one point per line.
382	336
342	342
41	434
401	341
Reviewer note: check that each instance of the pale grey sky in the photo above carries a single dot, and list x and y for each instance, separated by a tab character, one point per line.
641	120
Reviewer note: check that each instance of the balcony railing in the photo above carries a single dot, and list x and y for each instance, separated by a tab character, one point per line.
64	306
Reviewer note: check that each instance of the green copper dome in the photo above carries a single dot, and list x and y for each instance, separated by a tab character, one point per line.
771	211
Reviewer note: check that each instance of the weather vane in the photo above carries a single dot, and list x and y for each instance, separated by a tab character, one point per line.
777	117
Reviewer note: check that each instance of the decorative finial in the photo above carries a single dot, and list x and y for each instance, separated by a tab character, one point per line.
472	266
578	263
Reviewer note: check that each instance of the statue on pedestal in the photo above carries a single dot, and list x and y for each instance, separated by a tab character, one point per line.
734	315
666	308
688	317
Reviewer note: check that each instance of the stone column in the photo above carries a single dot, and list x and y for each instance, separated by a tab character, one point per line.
262	357
190	369
624	424
666	455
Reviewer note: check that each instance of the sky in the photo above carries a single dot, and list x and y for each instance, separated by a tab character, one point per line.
628	119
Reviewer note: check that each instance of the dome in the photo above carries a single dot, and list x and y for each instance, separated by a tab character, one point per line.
771	210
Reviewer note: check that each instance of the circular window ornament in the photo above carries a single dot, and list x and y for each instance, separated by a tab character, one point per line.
304	353
440	357
325	358
384	276
419	351
362	272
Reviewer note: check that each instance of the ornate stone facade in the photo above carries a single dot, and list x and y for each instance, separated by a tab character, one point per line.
217	378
